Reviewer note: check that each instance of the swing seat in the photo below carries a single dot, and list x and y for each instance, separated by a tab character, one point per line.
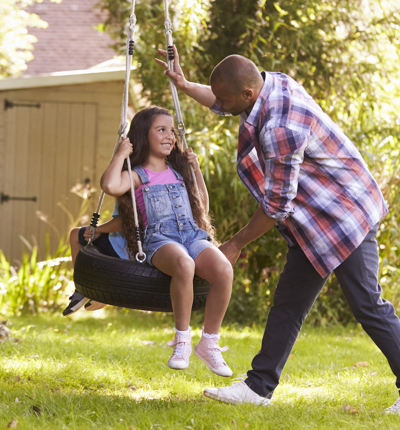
127	283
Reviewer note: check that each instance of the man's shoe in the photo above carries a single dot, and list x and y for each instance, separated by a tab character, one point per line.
77	300
236	394
395	408
209	351
183	348
92	305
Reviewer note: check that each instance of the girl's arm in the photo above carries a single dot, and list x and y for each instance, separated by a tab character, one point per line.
111	226
194	162
114	181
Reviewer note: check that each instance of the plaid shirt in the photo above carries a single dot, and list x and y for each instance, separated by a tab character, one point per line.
306	173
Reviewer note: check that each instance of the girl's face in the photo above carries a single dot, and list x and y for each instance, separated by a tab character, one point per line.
161	136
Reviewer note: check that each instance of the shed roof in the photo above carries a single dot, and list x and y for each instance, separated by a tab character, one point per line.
95	74
70	42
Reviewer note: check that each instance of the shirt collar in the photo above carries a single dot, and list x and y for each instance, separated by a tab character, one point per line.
254	115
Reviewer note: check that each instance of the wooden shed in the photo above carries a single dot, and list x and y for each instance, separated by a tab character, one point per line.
56	130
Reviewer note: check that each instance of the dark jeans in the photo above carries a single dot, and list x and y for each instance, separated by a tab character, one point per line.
298	287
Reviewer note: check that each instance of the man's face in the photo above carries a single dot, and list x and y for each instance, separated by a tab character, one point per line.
229	101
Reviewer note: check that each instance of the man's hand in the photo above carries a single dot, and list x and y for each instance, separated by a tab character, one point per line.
176	75
230	250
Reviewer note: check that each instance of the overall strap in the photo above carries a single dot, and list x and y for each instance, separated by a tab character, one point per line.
177	174
143	175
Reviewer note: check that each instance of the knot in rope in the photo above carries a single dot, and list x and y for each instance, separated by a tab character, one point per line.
132	21
168	26
123	128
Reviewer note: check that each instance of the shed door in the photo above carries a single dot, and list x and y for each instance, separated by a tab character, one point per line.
48	150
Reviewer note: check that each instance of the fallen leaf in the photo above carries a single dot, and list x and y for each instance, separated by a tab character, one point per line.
360	364
17	378
133	388
36	409
292	356
233	422
245	426
5	333
13	424
17	400
350	409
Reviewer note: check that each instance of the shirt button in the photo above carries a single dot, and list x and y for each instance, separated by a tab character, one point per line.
182	185
179	214
146	189
181	223
174	197
171	186
177	206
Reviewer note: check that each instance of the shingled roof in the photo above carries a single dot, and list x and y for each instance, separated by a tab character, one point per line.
70	42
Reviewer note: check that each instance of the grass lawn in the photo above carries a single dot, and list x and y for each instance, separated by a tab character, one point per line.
107	370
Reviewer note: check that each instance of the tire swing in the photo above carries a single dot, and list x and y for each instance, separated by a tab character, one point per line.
132	284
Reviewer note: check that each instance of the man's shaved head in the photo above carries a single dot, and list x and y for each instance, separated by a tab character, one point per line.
237	73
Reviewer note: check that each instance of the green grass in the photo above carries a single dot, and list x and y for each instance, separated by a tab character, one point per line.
99	371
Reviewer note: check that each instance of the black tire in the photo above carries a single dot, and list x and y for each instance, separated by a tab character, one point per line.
127	283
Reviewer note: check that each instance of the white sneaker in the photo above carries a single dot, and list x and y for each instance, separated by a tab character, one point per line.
236	394
395	408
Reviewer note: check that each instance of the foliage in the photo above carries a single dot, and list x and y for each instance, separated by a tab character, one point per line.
345	53
104	371
15	42
34	286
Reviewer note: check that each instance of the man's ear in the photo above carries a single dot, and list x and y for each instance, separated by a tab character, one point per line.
248	93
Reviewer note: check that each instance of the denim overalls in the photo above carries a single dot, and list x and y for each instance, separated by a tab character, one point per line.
170	218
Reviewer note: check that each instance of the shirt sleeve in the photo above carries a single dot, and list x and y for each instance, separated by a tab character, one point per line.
116	211
282	152
216	109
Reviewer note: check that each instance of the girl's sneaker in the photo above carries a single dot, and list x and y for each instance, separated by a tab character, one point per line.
209	351
183	348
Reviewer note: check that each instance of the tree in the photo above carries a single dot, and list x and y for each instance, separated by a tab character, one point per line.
16	43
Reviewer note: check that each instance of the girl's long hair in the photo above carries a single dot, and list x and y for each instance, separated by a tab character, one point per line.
138	135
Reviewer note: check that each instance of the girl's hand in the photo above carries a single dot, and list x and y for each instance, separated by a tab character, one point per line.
193	160
87	235
125	148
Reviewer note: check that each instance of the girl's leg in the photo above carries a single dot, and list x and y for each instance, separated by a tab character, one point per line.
173	260
213	266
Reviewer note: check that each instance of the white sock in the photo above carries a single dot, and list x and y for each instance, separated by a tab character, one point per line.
210	336
183	332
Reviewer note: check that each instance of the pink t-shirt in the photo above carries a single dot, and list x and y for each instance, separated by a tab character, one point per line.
155	178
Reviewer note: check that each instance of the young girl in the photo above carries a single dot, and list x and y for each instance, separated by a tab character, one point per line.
176	228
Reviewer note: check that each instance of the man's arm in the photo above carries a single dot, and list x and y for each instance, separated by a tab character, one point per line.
257	226
201	93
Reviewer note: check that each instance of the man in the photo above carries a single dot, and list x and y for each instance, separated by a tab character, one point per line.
314	187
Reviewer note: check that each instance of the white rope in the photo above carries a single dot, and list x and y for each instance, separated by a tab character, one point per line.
122	133
175	99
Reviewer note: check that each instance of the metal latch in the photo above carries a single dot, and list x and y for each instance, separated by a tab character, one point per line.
6	198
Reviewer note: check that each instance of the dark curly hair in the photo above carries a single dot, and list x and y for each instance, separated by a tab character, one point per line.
138	135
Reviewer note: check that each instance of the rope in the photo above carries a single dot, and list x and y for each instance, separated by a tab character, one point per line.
122	132
175	99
